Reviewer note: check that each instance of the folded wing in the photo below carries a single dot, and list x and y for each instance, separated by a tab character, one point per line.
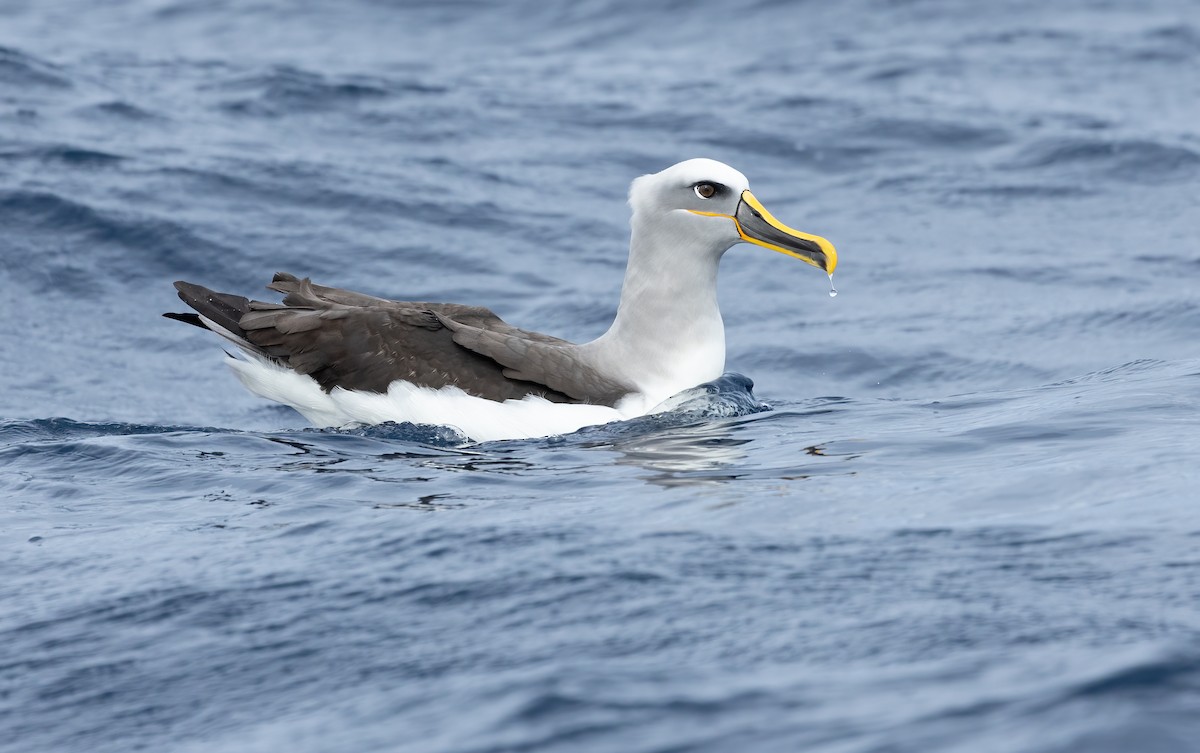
359	342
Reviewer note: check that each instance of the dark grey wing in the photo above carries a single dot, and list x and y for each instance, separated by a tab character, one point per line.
222	309
291	286
365	343
533	357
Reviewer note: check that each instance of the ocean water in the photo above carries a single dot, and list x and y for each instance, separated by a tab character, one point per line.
969	521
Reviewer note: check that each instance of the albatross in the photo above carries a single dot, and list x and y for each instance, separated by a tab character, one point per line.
345	359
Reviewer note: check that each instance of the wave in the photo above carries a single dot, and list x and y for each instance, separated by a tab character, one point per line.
285	89
885	368
18	431
729	396
63	154
96	246
1177	315
1133	160
121	111
929	133
20	69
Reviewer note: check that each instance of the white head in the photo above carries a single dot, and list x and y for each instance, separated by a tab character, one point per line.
706	207
668	334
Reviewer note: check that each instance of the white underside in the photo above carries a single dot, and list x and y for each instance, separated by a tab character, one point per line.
477	418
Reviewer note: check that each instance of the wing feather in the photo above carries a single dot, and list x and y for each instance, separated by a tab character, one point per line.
359	342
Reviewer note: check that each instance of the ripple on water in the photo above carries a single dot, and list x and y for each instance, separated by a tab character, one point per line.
65	155
1138	161
285	90
20	69
123	244
120	111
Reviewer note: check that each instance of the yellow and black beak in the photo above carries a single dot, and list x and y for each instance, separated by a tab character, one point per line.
756	225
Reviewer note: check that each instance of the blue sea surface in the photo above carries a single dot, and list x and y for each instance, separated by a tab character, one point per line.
970	520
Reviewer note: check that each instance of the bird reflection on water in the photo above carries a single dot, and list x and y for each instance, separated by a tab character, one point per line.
701	454
705	455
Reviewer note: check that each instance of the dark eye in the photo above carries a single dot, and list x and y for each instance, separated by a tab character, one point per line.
705	190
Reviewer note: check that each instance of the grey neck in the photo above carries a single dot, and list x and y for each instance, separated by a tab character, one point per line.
668	333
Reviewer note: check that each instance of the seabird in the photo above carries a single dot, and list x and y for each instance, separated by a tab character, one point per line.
347	359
